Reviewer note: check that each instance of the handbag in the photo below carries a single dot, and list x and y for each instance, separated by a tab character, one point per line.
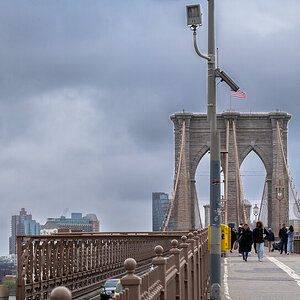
235	245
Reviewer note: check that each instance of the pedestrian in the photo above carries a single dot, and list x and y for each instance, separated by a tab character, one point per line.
233	238
240	229
246	241
271	238
283	239
290	245
260	234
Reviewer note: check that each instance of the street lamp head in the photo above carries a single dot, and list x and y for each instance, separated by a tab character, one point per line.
194	16
255	210
279	191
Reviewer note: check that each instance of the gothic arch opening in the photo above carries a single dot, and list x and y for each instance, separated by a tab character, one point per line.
203	186
253	174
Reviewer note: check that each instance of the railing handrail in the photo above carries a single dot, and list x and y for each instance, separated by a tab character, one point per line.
108	234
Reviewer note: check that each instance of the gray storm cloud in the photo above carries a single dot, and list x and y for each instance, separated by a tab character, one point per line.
87	88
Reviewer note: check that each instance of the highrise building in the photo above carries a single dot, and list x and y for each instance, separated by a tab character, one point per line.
22	224
160	209
94	221
206	215
77	222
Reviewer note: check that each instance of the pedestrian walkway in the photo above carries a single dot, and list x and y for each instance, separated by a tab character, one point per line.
276	277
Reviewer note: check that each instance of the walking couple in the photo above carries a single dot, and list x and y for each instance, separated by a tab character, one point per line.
258	236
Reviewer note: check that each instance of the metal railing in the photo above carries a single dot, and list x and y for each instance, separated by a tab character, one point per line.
81	261
183	275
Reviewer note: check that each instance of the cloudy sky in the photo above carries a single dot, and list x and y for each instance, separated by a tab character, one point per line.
87	88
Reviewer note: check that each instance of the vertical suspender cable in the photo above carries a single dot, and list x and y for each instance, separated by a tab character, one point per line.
286	166
240	195
262	200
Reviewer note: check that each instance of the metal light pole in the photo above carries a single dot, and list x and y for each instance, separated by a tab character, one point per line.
194	20
215	203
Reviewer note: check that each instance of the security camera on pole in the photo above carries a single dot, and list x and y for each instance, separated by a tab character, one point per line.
194	21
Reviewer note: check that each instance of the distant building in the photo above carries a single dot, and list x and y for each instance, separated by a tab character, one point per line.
22	224
248	207
49	228
8	266
94	221
296	224
77	222
206	215
160	209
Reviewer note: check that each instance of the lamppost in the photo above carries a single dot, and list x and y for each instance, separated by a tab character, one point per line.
194	21
279	188
255	211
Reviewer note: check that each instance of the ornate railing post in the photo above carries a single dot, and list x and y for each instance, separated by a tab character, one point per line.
196	265
4	293
131	281
206	262
184	247
61	293
201	264
192	263
176	252
20	278
160	262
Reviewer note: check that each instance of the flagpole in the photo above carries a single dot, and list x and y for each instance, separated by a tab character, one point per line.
230	101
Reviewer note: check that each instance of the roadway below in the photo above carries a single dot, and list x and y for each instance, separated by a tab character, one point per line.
276	277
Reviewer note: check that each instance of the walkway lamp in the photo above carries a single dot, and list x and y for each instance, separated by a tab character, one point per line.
194	21
255	211
279	191
279	188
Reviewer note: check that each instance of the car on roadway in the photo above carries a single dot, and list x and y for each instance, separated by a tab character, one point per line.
108	289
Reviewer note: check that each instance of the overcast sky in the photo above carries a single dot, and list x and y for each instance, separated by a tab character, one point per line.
87	88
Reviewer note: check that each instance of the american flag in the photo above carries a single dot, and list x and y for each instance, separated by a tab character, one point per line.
238	94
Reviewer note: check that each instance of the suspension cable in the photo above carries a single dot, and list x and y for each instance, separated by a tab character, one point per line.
177	175
286	166
262	200
240	194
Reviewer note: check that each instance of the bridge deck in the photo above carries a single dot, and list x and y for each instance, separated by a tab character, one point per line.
276	277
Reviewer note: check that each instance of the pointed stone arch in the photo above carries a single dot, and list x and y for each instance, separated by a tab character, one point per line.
198	157
267	162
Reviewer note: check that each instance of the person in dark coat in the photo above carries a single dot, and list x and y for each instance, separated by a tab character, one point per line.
283	235
260	234
240	229
233	237
271	238
246	241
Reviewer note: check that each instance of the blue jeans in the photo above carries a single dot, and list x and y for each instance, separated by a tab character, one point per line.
245	255
283	242
260	250
290	246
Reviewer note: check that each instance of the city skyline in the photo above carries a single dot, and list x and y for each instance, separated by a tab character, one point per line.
87	91
24	224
